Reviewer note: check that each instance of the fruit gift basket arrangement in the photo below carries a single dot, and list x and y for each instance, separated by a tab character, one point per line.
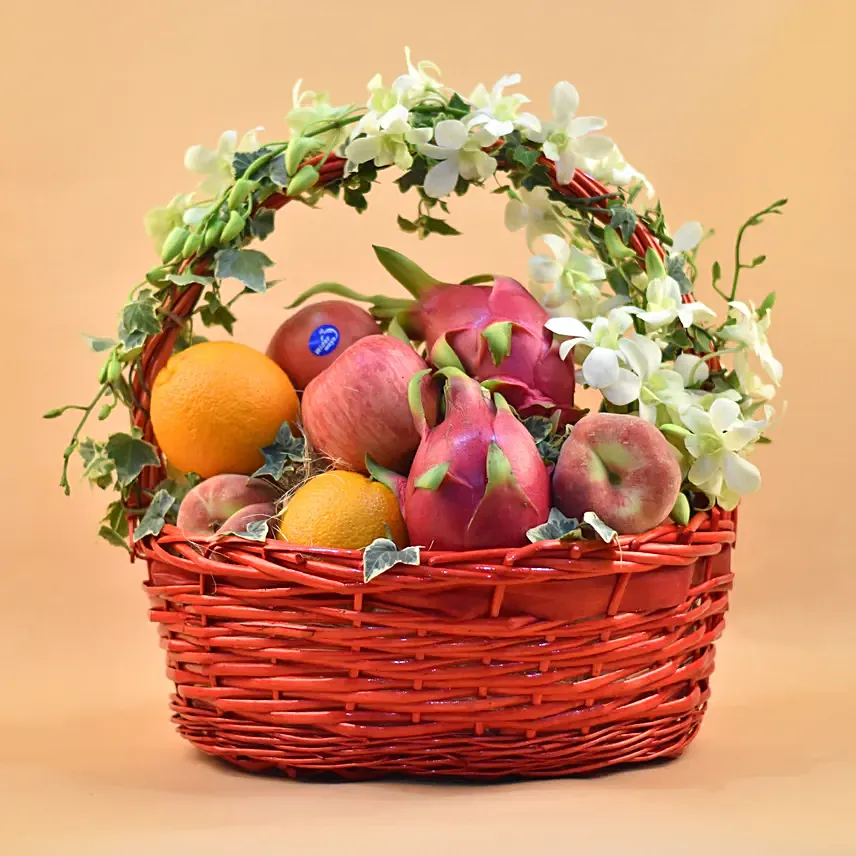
394	541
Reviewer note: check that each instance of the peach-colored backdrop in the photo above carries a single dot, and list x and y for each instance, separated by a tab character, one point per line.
726	106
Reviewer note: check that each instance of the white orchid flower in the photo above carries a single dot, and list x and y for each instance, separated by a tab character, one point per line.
160	221
686	238
573	278
663	305
693	370
498	113
750	383
413	87
601	369
216	164
312	110
386	140
662	390
536	211
750	331
614	169
717	436
564	139
460	153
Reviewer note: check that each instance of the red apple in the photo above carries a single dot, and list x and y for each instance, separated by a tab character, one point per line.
621	468
309	341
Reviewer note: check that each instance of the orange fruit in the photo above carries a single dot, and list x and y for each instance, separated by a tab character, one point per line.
216	404
342	509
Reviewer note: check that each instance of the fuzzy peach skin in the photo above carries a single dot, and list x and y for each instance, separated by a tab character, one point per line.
218	499
621	468
242	518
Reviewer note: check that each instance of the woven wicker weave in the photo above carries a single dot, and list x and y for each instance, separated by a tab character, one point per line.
538	661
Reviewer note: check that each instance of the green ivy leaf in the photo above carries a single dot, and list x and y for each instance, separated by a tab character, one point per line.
99	344
216	314
277	172
248	266
139	320
618	282
538	176
414	177
130	454
526	156
257	530
383	554
284	449
407	225
189	278
462	186
356	199
437	226
624	220
262	223
98	468
604	532
676	269
557	528
114	525
155	517
540	427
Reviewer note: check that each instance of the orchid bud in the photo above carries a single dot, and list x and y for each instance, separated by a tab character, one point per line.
173	244
306	177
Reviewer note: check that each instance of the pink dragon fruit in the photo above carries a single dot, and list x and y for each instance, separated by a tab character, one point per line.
477	480
494	333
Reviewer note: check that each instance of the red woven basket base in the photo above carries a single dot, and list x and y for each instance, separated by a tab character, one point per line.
308	752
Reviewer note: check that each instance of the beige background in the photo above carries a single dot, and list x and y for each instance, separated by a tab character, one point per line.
726	106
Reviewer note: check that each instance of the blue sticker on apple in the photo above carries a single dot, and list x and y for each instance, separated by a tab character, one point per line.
323	340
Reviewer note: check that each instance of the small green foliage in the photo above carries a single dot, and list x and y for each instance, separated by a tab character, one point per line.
415	176
214	313
257	530
284	450
557	528
407	225
525	156
189	278
681	510
248	266
676	269
600	529
130	454
262	223
155	517
433	477
383	554
99	344
98	466
767	304
356	199
139	320
624	221
614	247
498	338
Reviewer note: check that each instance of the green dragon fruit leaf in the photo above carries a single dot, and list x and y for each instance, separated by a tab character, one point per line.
478	279
557	528
395	329
498	467
383	554
405	271
433	477
382	301
414	399
498	337
387	478
443	355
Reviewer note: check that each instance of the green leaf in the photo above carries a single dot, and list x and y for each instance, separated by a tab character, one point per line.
216	314
189	278
130	454
433	477
407	225
681	510
155	517
680	339
139	320
98	468
277	171
557	528
540	427
356	199
437	226
98	344
257	530
604	532
675	268
284	449
767	304
618	282
526	156
248	266
624	220
456	102
414	177
462	186
262	223
383	554
113	537
614	247
654	264
498	338
716	273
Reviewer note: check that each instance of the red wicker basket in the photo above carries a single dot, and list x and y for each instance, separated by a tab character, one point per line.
544	660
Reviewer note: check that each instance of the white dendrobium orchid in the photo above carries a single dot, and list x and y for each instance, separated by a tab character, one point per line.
750	383
216	164
498	113
693	370
749	330
460	154
716	438
663	305
600	369
573	276
310	111
413	87
534	210
660	386
386	140
564	140
160	221
614	169
686	238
